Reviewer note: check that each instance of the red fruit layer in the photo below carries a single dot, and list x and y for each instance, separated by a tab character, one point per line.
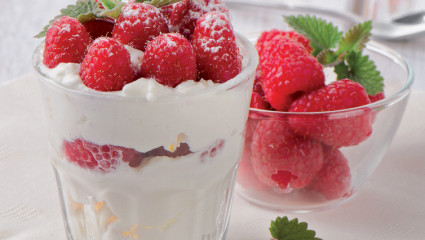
106	158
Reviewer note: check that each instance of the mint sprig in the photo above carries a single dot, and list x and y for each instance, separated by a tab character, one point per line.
159	3
355	38
87	10
285	229
343	51
322	35
362	70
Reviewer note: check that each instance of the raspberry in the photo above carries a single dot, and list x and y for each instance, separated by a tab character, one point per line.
345	129
139	23
334	179
377	97
257	98
266	36
102	158
168	9
217	54
187	12
101	27
288	72
282	159
213	150
66	42
170	59
107	66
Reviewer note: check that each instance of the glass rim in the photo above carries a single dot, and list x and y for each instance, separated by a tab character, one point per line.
243	76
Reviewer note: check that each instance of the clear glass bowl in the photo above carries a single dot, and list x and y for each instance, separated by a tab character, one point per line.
341	180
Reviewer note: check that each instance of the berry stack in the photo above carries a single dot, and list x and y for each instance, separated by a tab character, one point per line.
300	119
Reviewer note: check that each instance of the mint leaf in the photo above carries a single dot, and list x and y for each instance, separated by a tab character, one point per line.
342	71
355	38
159	3
327	58
283	229
363	71
333	48
109	4
322	35
87	10
113	12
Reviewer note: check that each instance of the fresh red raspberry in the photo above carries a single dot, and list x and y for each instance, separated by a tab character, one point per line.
288	72
187	12
178	13
170	59
217	54
167	10
66	42
334	179
265	37
107	66
100	27
258	101
344	129
139	23
103	158
377	97
282	159
257	98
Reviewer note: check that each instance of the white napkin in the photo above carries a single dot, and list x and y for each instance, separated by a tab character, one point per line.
390	206
29	206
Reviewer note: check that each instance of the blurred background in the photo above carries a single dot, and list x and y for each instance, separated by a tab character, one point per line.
23	19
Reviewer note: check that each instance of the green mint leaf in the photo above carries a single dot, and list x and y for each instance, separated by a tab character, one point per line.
342	71
109	4
328	58
113	12
363	71
159	3
355	38
87	10
285	229
322	35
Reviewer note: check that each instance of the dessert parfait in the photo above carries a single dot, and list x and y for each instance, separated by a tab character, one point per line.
145	107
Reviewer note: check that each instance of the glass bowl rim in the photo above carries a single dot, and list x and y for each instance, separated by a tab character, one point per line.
372	45
387	101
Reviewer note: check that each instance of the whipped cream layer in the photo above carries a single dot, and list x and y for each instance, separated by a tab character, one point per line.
145	114
165	198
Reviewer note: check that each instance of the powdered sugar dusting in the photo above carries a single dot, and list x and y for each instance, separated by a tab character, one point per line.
66	28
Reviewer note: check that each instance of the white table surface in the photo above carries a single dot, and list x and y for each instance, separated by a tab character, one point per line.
390	206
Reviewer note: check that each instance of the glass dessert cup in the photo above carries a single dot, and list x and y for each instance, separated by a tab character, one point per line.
185	148
259	180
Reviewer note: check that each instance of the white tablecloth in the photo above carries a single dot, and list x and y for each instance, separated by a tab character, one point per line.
390	206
